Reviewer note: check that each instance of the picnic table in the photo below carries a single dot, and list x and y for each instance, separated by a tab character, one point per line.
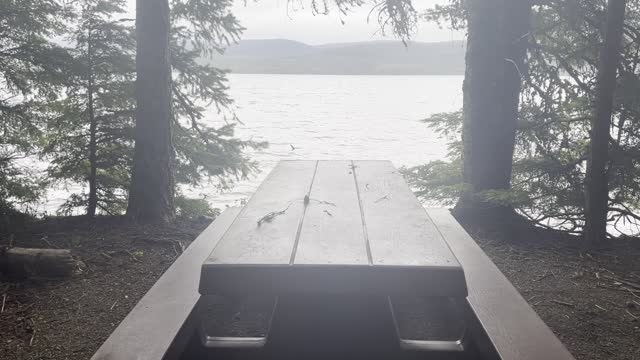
331	228
338	255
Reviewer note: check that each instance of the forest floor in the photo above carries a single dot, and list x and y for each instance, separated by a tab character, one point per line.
71	318
591	301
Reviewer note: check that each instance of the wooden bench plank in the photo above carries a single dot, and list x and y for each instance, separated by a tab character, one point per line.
514	329
151	329
271	242
332	231
398	229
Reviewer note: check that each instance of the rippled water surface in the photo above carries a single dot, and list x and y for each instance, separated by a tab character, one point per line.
333	117
339	117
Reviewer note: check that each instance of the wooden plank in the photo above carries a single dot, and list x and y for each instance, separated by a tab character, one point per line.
405	247
152	328
272	242
398	229
514	329
256	257
332	231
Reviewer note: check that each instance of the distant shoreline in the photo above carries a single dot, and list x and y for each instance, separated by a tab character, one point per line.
281	56
337	74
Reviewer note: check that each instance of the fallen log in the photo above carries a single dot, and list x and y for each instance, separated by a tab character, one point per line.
27	262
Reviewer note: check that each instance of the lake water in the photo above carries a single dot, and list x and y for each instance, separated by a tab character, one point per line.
332	117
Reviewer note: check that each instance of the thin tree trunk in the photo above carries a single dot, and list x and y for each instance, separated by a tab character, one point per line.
597	189
151	194
93	186
495	63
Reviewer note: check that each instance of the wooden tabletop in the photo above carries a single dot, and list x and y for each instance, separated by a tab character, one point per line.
333	226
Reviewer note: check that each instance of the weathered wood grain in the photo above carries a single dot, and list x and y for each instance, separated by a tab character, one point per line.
270	243
399	231
152	328
513	328
328	214
332	231
406	248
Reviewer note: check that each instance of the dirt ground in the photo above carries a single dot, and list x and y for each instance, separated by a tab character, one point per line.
69	319
591	301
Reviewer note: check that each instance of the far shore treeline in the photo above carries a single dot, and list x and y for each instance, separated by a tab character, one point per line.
548	137
279	56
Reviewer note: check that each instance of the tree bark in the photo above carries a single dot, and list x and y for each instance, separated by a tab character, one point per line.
93	126
151	194
25	262
597	189
495	63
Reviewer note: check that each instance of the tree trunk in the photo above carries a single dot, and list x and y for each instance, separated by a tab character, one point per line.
495	63
93	126
24	262
597	190
151	194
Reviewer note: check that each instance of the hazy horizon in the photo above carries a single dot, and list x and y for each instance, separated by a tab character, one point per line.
377	57
383	40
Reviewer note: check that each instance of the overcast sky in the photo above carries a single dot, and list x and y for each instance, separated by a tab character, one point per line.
270	19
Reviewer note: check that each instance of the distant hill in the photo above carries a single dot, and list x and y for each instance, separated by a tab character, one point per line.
279	56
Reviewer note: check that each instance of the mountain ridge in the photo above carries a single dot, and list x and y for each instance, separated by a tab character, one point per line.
283	56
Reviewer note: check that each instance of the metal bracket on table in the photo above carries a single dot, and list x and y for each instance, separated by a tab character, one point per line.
233	342
237	342
426	345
